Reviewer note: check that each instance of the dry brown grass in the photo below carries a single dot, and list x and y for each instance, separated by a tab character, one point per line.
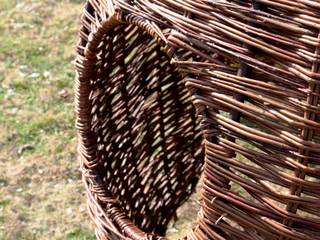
41	194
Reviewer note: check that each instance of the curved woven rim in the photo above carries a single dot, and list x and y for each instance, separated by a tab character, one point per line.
110	220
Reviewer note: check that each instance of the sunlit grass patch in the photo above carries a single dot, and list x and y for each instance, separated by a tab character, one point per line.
41	193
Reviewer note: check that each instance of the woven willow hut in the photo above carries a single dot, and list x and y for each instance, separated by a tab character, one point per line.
169	89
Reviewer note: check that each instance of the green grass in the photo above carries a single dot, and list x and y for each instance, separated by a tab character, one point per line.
41	194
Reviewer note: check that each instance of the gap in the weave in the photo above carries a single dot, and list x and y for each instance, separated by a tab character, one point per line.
186	215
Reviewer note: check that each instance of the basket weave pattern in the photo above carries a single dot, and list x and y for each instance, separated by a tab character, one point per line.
158	81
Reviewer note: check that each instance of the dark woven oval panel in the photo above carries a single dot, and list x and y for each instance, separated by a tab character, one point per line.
160	80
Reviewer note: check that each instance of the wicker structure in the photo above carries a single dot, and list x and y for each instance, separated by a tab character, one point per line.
164	86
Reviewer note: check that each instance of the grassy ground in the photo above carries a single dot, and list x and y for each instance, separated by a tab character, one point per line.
41	194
